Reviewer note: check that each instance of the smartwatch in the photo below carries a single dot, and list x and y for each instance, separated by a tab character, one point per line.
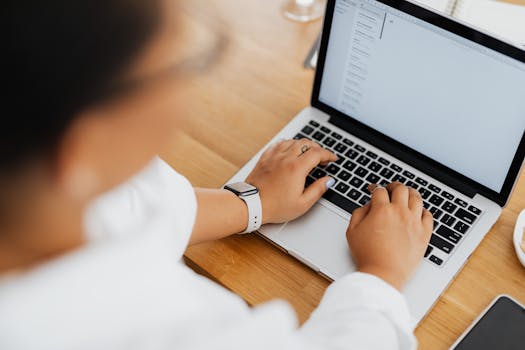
250	195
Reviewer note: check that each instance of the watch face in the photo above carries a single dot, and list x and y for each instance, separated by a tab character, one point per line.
242	188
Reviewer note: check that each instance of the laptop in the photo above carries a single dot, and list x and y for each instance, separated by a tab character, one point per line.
402	93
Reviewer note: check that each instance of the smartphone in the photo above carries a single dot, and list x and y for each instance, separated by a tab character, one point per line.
501	327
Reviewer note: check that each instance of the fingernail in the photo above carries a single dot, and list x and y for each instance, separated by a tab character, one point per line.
372	187
330	183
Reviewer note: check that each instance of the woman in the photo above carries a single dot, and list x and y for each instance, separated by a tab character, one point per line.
93	225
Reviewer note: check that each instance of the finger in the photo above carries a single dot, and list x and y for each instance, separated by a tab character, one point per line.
314	157
302	146
285	145
398	193
358	215
428	222
380	197
415	202
315	191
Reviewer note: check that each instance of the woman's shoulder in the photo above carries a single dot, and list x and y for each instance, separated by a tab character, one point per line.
157	191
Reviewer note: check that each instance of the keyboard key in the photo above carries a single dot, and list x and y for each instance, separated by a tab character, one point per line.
336	136
363	160
384	183
474	210
386	173
395	167
426	205
373	178
428	251
448	220
364	200
434	188
340	201
342	187
344	176
318	173
409	174
436	213
332	169
447	195
314	123
412	184
464	215
339	160
371	154
361	172
350	166
348	142
460	202
354	194
384	161
325	129
399	178
421	181
461	227
440	243
356	182
375	167
424	193
309	180
307	130
329	142
360	148
352	154
300	136
340	148
435	260
365	189
318	136
449	207
436	200
447	233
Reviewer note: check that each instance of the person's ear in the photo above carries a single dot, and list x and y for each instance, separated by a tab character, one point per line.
76	170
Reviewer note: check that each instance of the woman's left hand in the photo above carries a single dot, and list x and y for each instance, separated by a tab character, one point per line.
280	176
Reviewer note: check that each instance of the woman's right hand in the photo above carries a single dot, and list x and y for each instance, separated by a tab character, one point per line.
388	237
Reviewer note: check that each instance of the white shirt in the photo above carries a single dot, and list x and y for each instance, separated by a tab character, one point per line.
128	289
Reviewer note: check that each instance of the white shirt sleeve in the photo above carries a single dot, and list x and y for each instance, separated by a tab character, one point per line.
360	311
357	312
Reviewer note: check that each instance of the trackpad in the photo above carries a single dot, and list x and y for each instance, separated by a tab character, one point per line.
318	237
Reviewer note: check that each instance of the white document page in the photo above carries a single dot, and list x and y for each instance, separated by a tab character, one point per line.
440	5
503	19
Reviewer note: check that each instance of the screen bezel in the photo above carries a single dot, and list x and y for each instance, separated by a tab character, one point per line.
410	156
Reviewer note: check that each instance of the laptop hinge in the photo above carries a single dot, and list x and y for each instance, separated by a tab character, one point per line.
408	157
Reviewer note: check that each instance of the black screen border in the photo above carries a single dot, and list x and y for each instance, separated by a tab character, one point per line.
410	156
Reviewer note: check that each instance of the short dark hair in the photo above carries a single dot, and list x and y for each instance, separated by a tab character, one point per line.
57	55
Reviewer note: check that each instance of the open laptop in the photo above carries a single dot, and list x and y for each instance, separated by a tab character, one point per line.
405	94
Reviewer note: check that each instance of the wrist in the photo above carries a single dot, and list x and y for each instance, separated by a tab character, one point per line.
393	279
249	194
241	211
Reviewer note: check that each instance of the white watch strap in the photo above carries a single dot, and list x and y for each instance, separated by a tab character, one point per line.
253	202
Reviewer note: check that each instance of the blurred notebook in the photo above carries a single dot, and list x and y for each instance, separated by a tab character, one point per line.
502	19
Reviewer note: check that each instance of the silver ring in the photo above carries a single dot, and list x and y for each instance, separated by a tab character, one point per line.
305	149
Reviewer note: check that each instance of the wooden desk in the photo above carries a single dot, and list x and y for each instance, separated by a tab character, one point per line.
235	110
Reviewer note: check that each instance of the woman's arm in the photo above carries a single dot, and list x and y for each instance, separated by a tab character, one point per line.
220	213
280	177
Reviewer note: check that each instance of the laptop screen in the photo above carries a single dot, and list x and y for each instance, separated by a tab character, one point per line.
449	98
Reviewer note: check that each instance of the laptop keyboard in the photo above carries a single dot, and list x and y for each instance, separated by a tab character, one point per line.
357	167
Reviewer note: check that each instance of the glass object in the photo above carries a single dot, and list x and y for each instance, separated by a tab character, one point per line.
304	10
